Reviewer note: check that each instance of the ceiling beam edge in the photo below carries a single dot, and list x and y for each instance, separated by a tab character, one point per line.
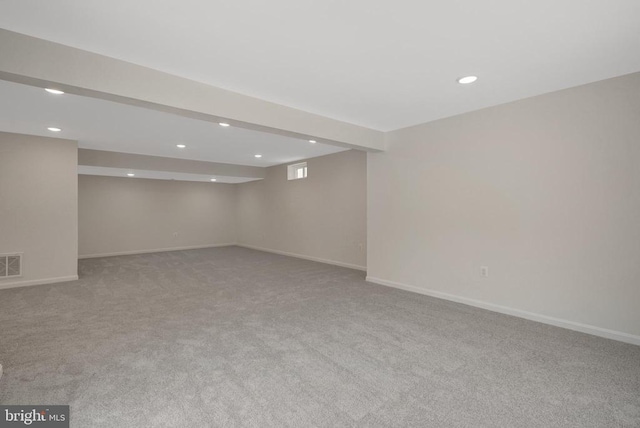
101	158
39	62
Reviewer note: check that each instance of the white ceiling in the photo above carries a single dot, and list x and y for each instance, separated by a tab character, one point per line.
106	125
158	175
378	63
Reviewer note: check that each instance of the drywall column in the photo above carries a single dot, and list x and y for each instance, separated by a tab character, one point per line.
39	207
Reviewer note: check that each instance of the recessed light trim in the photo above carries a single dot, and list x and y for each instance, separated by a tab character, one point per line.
467	80
181	146
223	124
54	91
312	141
130	174
54	129
257	156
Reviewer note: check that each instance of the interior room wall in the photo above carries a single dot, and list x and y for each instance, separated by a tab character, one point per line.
544	192
132	215
38	207
322	217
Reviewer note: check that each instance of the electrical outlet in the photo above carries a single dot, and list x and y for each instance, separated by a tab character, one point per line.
484	271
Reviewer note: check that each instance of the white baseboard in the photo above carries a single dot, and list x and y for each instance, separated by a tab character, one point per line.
156	250
571	325
301	256
43	281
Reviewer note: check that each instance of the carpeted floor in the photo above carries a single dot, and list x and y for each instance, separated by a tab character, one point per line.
236	337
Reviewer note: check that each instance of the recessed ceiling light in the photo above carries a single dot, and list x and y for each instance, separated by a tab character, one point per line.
258	156
214	179
54	129
130	174
312	141
467	79
180	146
224	124
54	91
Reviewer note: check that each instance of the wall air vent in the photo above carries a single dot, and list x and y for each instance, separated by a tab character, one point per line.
10	265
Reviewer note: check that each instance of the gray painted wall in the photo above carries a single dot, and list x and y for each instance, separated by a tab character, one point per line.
131	215
38	207
544	191
322	217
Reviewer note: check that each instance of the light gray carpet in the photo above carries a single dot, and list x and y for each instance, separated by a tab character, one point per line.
236	337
